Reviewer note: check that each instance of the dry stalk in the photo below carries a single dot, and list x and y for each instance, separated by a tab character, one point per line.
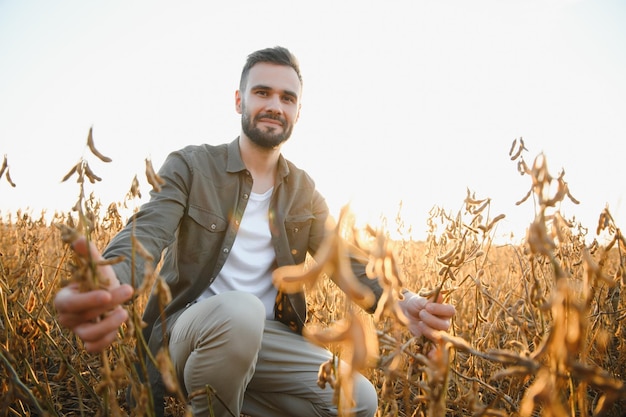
540	328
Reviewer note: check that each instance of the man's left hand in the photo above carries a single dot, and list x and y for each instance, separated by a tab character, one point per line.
426	316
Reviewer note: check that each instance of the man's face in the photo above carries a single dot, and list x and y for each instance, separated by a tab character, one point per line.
270	104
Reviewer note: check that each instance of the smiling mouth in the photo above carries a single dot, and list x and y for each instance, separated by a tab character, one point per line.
271	120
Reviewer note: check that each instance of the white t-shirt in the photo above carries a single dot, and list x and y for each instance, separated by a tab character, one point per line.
248	268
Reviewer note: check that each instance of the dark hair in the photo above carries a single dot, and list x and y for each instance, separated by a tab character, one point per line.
276	55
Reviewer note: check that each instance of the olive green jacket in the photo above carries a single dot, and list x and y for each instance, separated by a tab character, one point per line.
192	222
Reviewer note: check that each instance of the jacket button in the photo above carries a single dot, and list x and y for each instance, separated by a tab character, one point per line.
225	250
213	226
245	196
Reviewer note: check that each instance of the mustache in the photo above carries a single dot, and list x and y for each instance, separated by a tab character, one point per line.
271	116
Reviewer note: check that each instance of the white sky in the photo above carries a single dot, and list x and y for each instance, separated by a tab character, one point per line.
404	100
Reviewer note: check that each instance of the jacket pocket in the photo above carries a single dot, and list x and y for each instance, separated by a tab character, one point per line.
207	220
203	233
298	229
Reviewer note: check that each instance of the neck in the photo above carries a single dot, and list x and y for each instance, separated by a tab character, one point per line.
261	162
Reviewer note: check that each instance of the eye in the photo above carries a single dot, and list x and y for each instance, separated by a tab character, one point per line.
261	93
289	99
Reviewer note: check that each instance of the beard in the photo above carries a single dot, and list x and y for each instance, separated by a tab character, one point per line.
267	138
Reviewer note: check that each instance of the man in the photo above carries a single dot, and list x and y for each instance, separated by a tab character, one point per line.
226	217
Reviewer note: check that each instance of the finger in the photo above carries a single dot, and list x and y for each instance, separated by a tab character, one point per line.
117	296
415	304
70	300
428	331
99	332
121	294
441	310
81	244
82	247
102	344
434	322
75	308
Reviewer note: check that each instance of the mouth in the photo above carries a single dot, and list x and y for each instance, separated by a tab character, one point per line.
272	121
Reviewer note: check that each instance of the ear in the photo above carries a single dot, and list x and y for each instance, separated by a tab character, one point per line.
238	101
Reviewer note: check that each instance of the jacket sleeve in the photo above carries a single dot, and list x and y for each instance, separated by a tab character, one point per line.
358	267
357	263
155	224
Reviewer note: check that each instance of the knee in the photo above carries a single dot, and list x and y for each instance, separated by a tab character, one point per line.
241	311
239	323
365	396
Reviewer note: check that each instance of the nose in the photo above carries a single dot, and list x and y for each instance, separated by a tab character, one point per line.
274	104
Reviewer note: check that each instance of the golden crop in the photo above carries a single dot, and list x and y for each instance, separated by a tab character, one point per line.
540	328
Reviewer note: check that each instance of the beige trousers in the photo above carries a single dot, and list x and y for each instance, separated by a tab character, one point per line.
256	366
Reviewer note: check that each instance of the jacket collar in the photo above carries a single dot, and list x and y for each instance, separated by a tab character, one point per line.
235	163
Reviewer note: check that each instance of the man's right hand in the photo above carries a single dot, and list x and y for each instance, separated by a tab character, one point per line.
94	316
